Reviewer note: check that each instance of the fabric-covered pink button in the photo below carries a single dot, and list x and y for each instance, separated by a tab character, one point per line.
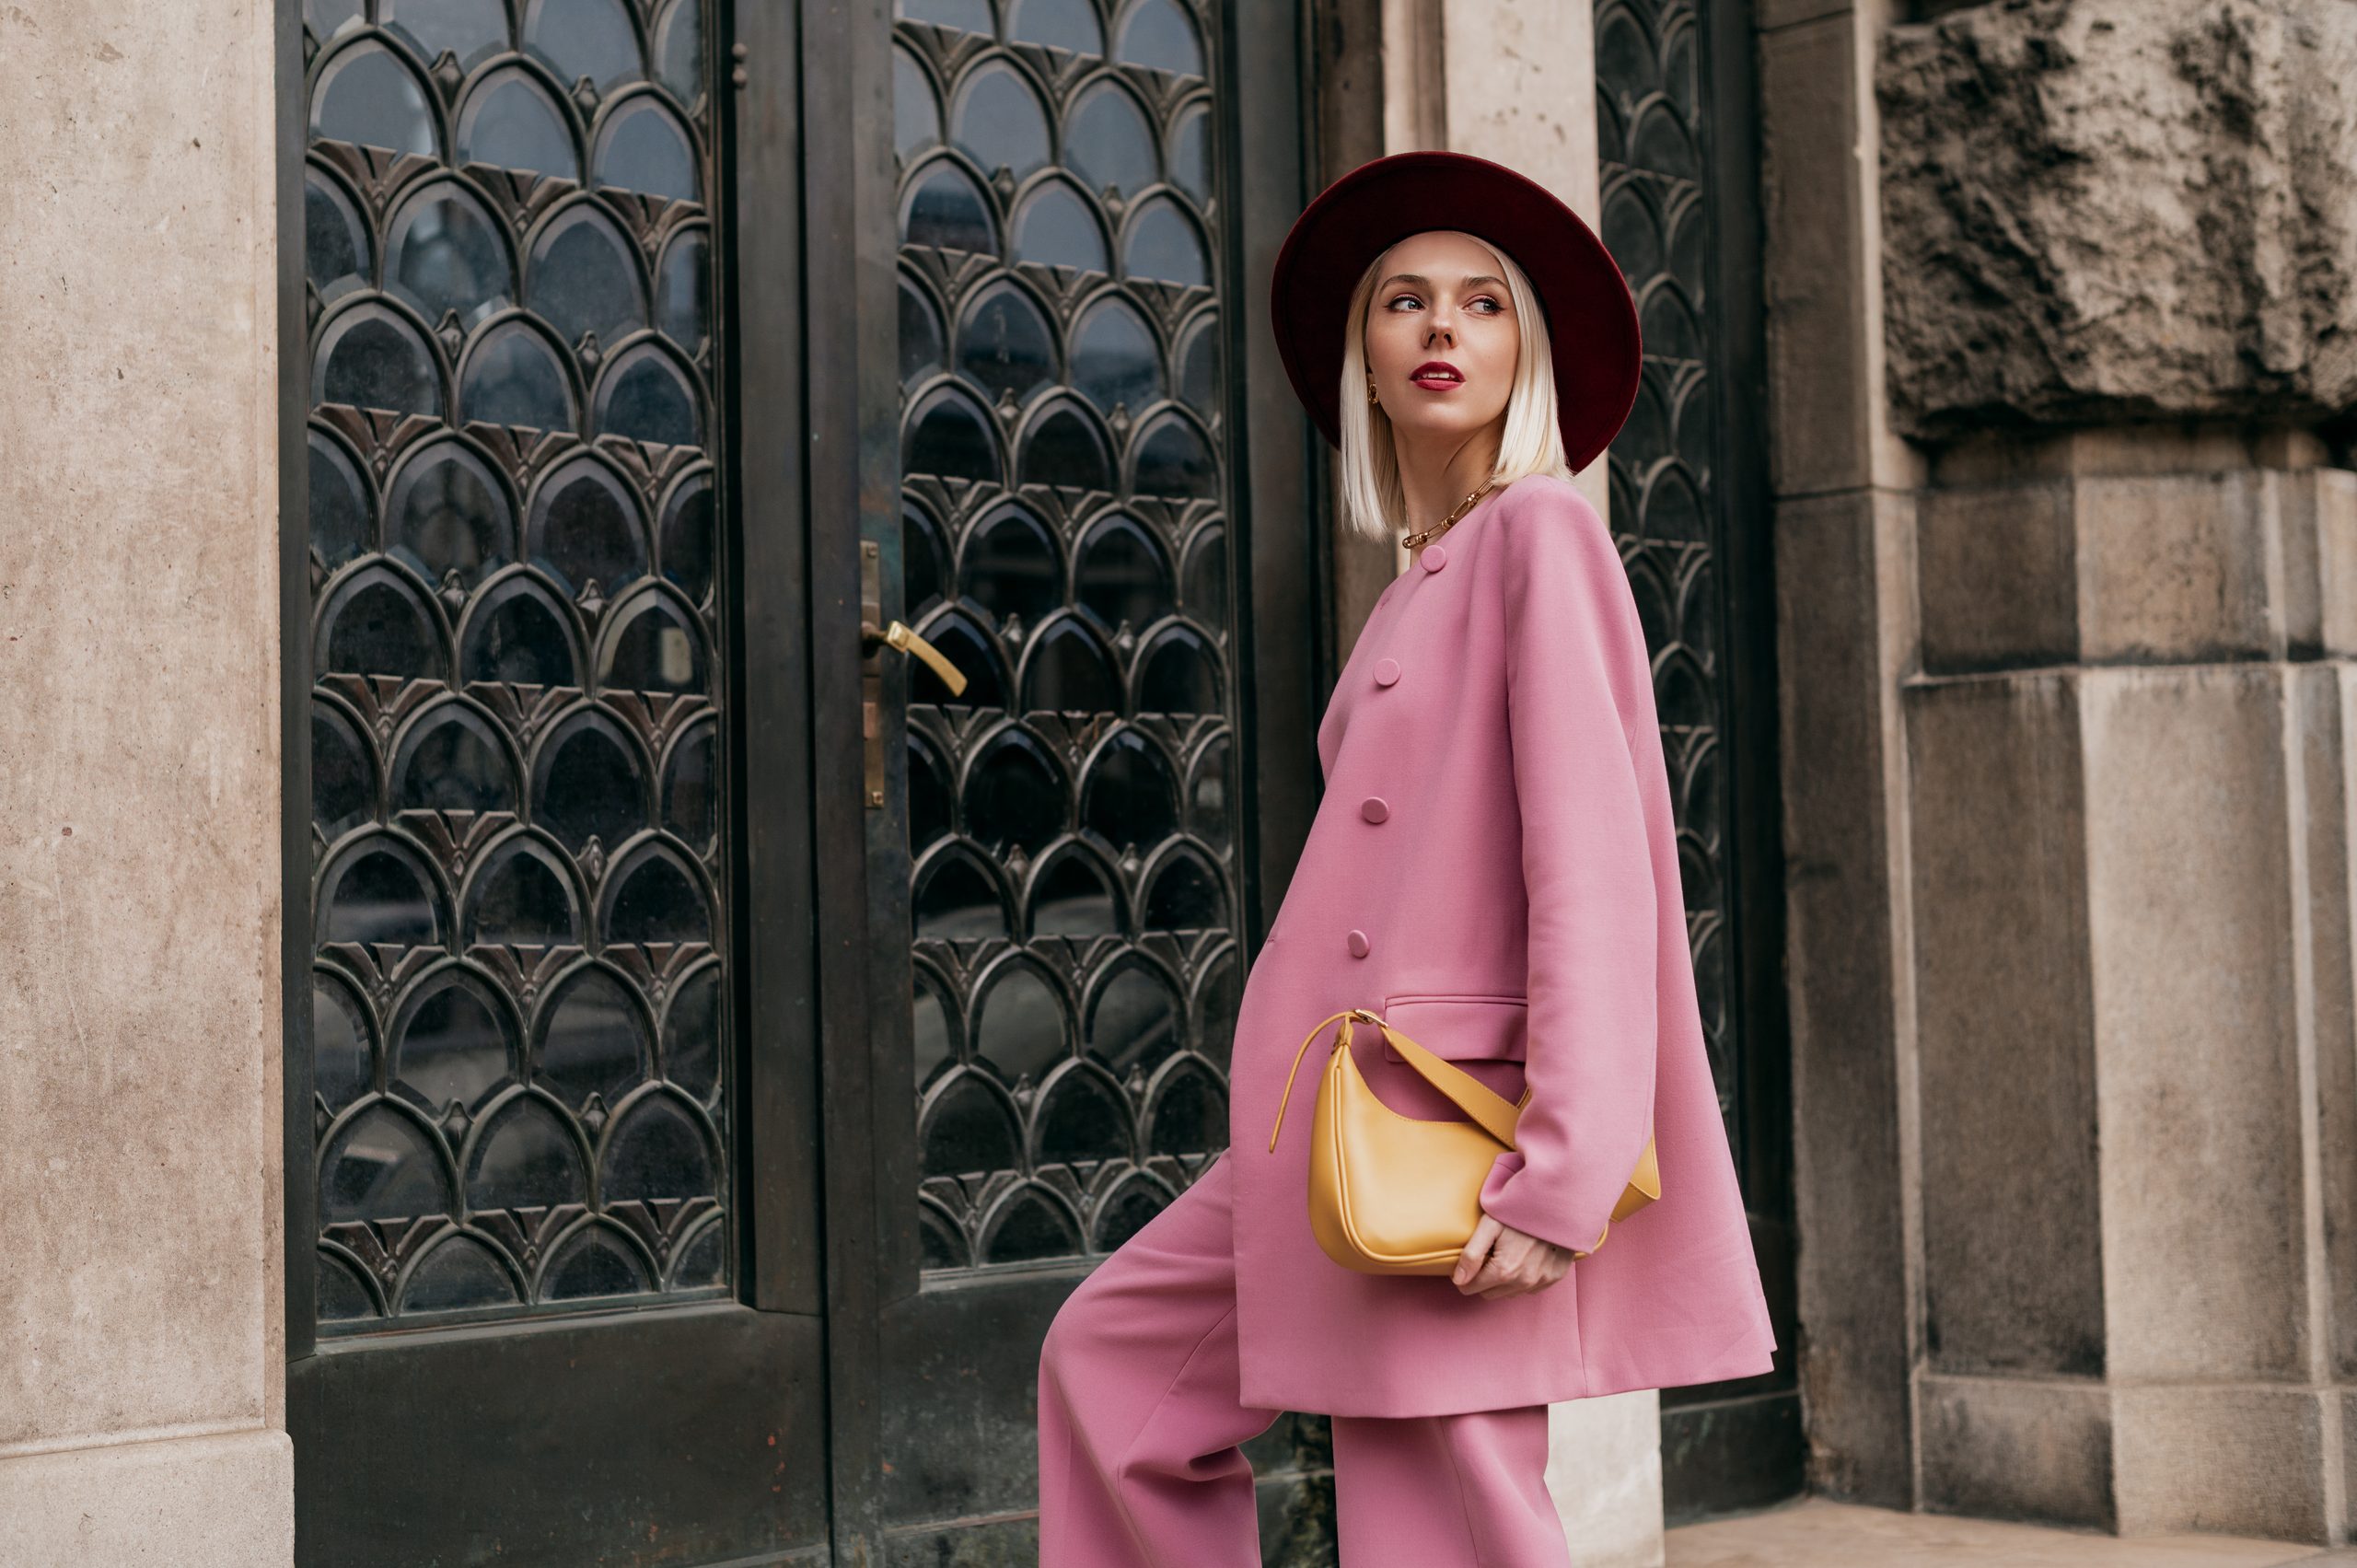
1358	943
1434	558
1373	809
1387	670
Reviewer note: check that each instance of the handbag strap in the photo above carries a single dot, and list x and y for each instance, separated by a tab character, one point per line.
1473	1096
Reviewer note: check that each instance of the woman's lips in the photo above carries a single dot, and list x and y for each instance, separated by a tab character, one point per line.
1435	382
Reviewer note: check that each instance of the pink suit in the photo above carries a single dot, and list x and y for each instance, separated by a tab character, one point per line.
1494	868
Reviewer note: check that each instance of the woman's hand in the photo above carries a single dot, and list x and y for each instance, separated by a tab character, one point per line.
1500	1261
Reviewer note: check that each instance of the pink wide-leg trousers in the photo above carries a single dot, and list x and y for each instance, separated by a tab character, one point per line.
1140	1425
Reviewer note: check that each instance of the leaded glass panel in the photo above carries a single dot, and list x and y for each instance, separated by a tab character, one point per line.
1065	475
519	1035
1652	125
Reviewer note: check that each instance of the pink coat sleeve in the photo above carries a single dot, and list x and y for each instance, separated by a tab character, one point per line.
1580	722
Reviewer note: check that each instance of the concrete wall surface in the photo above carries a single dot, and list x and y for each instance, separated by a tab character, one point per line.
141	1357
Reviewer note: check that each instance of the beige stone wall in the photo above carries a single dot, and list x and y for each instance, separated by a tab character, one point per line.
141	1357
2064	593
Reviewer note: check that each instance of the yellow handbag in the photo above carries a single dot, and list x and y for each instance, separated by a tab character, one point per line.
1393	1194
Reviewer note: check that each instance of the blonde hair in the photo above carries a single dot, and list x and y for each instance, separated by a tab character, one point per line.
1367	475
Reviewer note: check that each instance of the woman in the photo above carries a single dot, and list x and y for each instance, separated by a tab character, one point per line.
1493	867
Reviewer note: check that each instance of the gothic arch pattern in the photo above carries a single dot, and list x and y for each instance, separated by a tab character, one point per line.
1064	468
519	1033
1653	126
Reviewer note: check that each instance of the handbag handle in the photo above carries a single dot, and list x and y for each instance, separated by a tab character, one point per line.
1473	1096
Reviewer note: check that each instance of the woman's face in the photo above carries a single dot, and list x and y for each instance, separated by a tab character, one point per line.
1439	301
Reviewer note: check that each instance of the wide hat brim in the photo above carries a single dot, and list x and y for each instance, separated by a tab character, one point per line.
1591	319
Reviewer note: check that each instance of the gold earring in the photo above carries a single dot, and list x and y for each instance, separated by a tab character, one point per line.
1370	389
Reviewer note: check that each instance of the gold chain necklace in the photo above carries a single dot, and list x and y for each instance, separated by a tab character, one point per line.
1416	541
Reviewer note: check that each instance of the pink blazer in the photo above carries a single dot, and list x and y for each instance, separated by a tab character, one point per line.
1494	868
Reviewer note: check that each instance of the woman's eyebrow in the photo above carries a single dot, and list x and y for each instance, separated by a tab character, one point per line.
1423	282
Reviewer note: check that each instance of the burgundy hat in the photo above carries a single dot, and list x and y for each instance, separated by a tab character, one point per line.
1591	320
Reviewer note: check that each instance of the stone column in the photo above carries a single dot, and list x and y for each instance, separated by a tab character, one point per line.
141	1351
1844	484
2119	269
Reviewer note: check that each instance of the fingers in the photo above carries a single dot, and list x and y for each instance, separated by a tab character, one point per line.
1469	1262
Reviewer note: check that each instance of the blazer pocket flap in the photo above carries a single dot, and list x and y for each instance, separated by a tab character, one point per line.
1460	1028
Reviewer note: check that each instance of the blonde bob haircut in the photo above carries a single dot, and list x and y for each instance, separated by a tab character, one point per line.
1373	503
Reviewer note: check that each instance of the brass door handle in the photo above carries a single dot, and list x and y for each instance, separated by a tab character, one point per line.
900	636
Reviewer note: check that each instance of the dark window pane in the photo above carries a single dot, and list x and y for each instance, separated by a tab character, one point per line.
1004	344
1158	34
454	761
446	253
382	1165
1062	24
343	780
513	377
659	902
1123	576
527	1159
1165	246
342	1067
1112	143
949	214
473	31
691	1035
916	113
460	1271
595	1264
524	900
687	537
657	651
1056	229
510	121
340	524
590	785
584	38
380	896
595	1042
658	1152
650	399
452	1045
381	629
1115	360
371	358
450	513
335	240
585	279
367	96
518	637
585	528
678	50
690	806
645	149
1012	569
999	122
684	290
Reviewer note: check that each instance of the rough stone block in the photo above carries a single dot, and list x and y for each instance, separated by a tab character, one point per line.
1815	258
2011	1179
2105	210
2224	1460
2183	566
1844	625
2192	932
1998	576
226	1501
2018	1448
